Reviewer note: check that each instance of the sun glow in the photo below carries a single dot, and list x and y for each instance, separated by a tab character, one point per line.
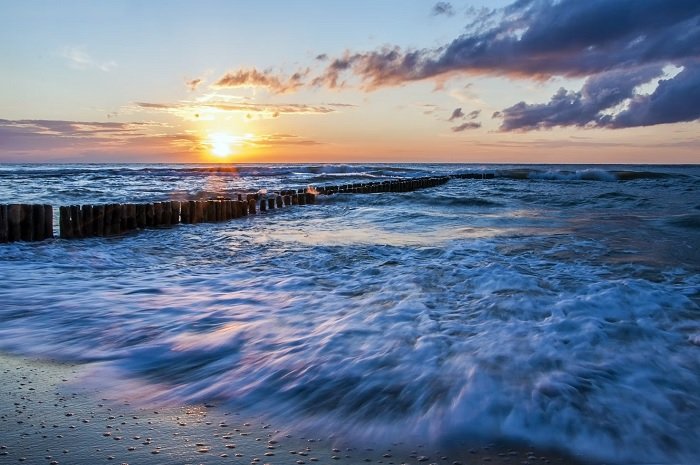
223	145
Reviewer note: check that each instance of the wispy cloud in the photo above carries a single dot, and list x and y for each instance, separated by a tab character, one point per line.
443	8
196	109
78	58
253	78
193	84
465	126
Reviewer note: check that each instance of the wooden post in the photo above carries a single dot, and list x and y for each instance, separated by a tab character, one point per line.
271	203
37	214
251	206
26	222
107	220
211	211
48	221
184	212
310	198
14	222
75	221
157	214
98	216
193	217
263	205
201	211
64	229
175	212
3	224
167	213
302	199
150	215
86	223
140	215
116	220
280	202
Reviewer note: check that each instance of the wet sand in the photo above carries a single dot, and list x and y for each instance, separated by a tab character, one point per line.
46	417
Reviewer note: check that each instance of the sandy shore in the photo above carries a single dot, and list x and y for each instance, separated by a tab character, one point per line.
47	418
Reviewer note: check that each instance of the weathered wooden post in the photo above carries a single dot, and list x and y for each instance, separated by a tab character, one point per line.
251	206
140	215
26	222
3	224
263	204
280	202
174	212
150	215
167	211
194	218
86	222
64	229
98	216
211	211
75	221
116	220
37	212
157	214
271	203
184	212
14	222
310	198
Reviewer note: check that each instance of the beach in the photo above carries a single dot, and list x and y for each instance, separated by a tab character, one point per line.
547	311
47	417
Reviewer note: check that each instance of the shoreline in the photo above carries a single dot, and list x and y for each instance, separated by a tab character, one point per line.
44	419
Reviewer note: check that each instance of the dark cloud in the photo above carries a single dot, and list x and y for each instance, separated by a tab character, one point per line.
443	8
473	114
674	100
540	39
456	114
465	126
322	57
600	92
266	79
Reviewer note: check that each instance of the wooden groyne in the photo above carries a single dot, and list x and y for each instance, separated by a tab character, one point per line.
25	222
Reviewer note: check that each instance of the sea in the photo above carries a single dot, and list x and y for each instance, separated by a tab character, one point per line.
553	305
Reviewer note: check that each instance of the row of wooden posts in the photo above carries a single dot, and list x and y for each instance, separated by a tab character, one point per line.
25	222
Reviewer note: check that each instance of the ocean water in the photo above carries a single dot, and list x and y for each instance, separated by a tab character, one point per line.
554	305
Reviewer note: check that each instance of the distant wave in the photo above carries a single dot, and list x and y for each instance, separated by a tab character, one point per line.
587	174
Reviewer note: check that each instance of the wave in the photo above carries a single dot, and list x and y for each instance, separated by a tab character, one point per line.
587	174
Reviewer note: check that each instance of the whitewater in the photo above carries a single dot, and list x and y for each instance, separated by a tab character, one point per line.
553	305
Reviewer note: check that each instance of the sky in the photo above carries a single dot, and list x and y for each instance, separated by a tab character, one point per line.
478	81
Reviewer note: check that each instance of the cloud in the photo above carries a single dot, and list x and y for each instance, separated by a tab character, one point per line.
192	84
465	126
443	8
265	79
456	114
282	139
78	58
188	109
584	108
610	100
540	39
674	100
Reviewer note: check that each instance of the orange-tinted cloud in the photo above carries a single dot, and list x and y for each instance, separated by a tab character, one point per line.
265	79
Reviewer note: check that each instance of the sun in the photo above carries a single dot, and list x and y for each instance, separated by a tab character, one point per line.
223	144
220	144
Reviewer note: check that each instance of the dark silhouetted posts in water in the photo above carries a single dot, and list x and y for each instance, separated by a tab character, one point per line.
271	203
48	221
26	222
14	220
4	237
99	215
251	206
